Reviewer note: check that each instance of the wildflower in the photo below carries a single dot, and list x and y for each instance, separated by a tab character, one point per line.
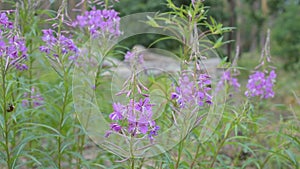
118	113
34	97
135	117
61	42
190	92
229	79
129	56
16	48
153	132
67	45
100	22
261	85
138	118
4	21
134	58
12	47
115	127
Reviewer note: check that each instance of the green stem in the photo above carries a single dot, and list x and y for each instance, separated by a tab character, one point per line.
62	118
221	145
30	86
80	147
81	138
218	150
6	122
131	153
66	89
179	153
132	163
196	156
141	163
106	4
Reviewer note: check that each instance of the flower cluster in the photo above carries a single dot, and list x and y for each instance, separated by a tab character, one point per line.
99	22
55	43
229	79
192	90
138	117
135	117
132	57
5	23
12	47
34	97
259	84
129	56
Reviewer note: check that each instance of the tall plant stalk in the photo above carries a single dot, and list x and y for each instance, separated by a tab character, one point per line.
5	117
62	118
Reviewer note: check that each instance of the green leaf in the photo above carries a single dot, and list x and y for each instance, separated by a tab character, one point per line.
152	22
218	43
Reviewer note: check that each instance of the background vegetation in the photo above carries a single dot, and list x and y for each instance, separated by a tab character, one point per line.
265	137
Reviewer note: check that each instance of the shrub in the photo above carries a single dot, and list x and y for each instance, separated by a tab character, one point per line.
286	35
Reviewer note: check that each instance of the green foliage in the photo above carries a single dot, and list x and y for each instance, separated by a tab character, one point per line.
132	7
250	134
286	35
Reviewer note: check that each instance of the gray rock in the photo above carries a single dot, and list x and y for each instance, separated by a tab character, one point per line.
156	61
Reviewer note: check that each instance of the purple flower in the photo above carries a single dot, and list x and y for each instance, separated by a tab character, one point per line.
16	48
12	48
118	112
64	44
34	97
5	22
144	106
67	45
260	85
129	56
191	92
227	78
133	58
137	118
21	66
100	22
115	127
45	49
48	36
139	115
137	128
153	132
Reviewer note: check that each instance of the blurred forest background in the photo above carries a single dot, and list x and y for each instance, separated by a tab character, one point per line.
251	19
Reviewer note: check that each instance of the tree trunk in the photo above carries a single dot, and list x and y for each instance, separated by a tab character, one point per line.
238	31
231	24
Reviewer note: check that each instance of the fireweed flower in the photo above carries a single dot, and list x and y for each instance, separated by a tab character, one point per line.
229	79
135	117
34	97
192	90
53	43
129	56
5	23
132	57
100	22
12	47
259	84
118	113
